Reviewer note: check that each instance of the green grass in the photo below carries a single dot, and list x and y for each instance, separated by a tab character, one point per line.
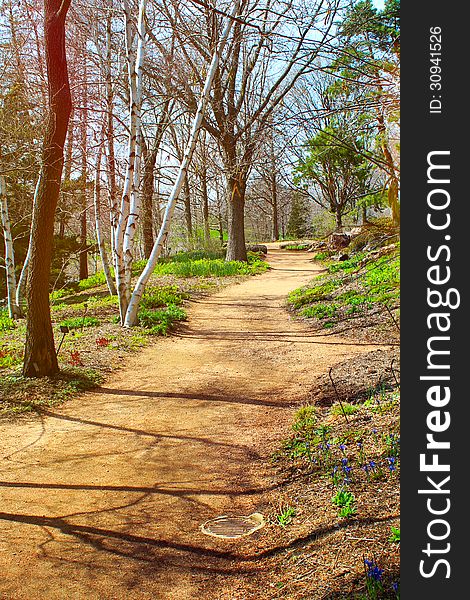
79	322
161	321
5	322
349	288
305	418
320	311
159	296
348	409
92	281
193	263
58	294
285	516
297	247
195	255
322	255
210	268
306	295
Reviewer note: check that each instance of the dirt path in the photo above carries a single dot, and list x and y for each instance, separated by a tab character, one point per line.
103	498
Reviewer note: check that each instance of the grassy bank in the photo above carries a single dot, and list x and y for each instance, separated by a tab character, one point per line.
360	290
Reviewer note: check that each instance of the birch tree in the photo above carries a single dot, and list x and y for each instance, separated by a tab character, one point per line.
97	206
131	314
13	308
126	225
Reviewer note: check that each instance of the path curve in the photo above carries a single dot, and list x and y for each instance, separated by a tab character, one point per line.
103	497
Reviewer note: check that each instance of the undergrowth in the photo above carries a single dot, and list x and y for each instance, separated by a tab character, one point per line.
350	288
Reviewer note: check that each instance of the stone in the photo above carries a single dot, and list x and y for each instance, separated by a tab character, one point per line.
257	248
339	240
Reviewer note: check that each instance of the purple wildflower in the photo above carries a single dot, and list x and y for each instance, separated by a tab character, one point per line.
373	571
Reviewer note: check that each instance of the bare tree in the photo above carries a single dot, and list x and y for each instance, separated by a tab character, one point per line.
97	207
269	51
40	357
13	309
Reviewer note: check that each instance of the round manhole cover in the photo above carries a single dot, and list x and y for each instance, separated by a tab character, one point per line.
233	527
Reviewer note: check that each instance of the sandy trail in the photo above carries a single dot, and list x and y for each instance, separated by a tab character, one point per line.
103	498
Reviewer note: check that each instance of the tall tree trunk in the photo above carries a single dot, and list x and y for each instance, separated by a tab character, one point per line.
393	202
205	204
111	158
13	308
236	246
188	219
40	357
339	219
393	186
130	200
275	213
99	238
148	184
220	219
65	195
364	214
187	208
83	258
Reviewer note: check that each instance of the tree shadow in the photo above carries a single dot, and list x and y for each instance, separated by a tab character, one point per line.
142	548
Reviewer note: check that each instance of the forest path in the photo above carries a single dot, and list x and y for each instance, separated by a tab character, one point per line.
103	497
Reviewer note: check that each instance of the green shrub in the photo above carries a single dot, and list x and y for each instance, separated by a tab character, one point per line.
305	418
138	266
160	322
58	294
320	311
395	535
297	246
197	255
92	281
348	409
9	357
159	296
322	255
346	502
5	322
347	265
306	295
210	268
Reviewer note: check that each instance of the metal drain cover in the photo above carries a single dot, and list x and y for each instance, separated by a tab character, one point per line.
233	527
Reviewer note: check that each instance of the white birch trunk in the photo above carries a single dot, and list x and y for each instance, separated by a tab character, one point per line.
125	230
99	237
133	307
13	308
20	290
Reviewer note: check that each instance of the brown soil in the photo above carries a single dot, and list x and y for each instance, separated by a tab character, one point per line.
103	498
